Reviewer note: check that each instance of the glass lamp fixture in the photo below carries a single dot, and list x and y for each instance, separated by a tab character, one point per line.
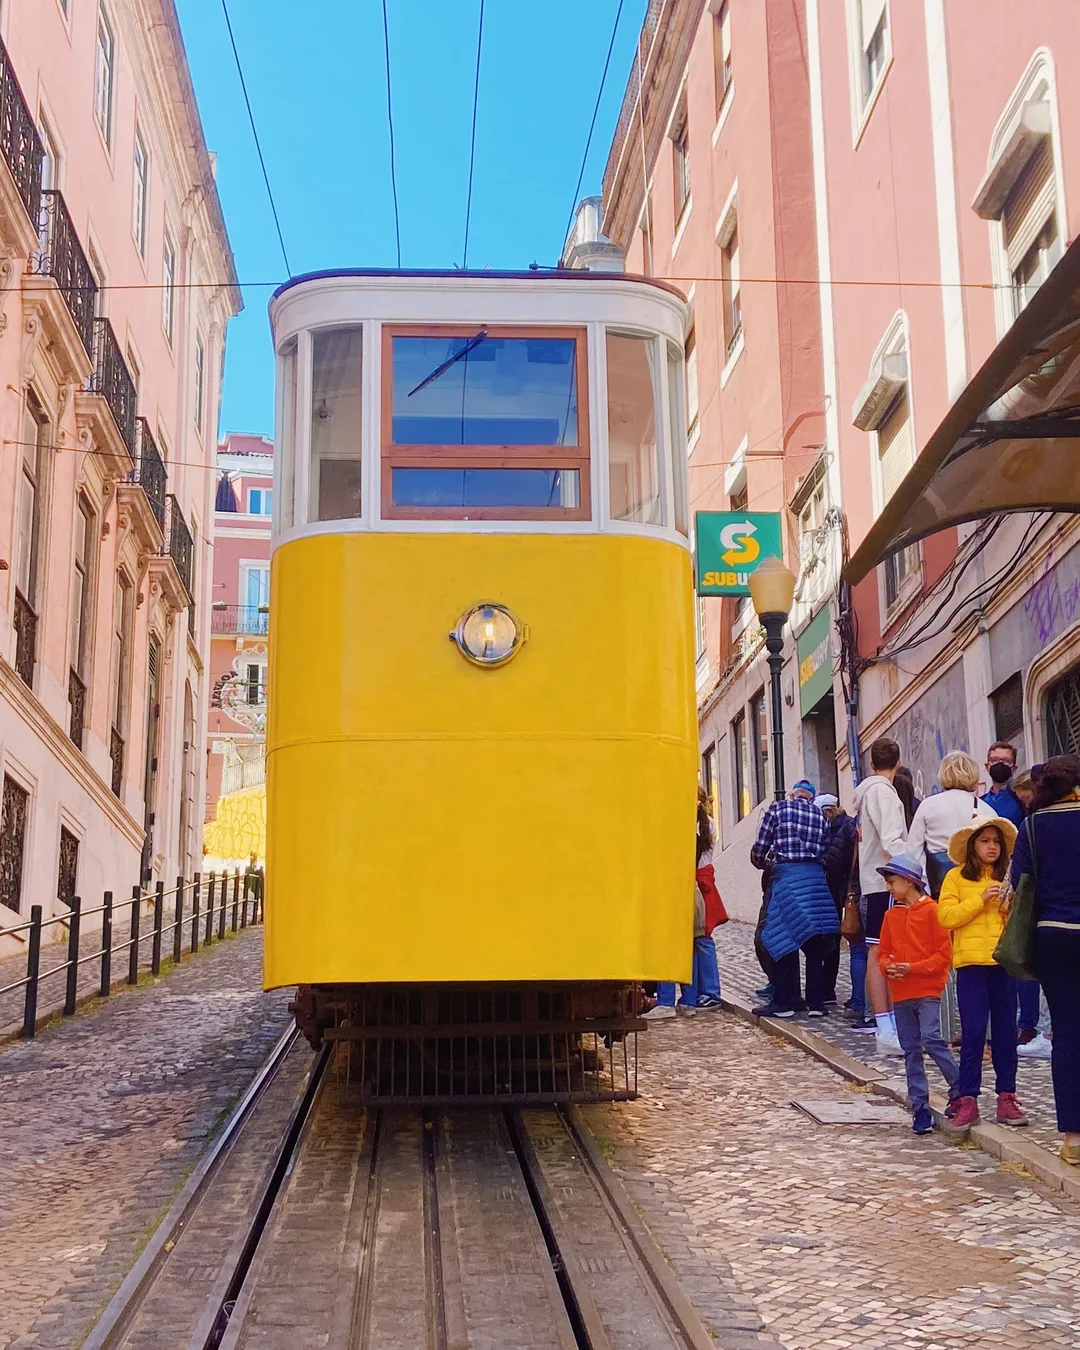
488	635
772	587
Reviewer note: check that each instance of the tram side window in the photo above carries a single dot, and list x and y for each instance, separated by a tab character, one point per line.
335	424
677	415
634	471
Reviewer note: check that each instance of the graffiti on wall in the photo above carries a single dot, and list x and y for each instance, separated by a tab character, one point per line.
931	727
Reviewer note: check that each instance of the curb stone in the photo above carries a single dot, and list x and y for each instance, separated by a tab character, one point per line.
997	1140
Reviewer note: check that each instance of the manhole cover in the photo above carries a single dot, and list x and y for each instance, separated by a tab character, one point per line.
860	1111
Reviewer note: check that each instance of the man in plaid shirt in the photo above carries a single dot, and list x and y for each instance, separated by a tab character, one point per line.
798	911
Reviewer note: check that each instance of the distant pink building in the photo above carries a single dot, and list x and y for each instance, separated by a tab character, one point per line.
240	612
116	286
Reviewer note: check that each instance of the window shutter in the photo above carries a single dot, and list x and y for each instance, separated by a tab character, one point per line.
895	448
1030	204
870	12
725	34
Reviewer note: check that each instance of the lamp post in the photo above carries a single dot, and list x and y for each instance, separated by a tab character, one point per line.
772	590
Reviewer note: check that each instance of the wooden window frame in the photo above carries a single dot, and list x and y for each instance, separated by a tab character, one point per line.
485	456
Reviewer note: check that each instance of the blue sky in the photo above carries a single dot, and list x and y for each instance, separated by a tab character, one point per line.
316	77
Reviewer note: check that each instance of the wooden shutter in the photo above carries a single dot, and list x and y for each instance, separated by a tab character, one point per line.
1030	204
870	12
895	447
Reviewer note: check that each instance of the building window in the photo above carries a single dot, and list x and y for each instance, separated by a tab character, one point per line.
12	842
812	521
200	381
50	156
1029	226
81	610
256	684
741	746
633	468
168	286
119	680
260	501
336	407
722	53
1063	715
67	873
647	237
691	383
141	198
105	76
895	453
1007	701
255	579
874	48
32	483
730	288
680	150
759	729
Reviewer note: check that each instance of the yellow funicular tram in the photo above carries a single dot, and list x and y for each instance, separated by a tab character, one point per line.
482	742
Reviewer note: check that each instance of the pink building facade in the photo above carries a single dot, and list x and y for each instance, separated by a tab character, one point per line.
117	286
857	197
240	615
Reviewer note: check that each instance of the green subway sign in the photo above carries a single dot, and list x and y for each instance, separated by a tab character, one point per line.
730	546
813	648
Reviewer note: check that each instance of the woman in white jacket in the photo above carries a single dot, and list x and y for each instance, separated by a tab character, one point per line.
941	815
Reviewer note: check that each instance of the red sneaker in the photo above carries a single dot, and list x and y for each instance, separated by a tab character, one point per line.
966	1115
1008	1110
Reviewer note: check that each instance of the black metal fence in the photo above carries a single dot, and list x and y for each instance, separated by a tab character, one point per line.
20	142
179	543
112	378
200	911
149	472
62	258
252	619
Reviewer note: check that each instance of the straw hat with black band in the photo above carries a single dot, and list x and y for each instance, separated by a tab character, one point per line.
959	842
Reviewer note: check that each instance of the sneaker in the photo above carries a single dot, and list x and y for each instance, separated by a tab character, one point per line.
709	1001
799	1005
1037	1048
657	1014
1070	1153
1008	1110
687	1009
922	1121
965	1115
771	1010
888	1045
829	999
1025	1035
849	1004
816	1012
764	993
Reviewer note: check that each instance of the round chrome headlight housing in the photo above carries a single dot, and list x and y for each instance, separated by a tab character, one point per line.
488	635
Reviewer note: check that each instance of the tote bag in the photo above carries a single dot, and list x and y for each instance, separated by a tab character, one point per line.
1016	946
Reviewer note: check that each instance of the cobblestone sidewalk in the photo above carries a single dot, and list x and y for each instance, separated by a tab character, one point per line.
740	974
104	1116
836	1236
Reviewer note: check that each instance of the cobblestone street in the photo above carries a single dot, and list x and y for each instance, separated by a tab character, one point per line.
105	1115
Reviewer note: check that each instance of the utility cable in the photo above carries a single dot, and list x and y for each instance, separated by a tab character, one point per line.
255	133
592	124
472	145
390	125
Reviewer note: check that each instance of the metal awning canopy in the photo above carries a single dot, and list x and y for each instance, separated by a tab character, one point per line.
1010	442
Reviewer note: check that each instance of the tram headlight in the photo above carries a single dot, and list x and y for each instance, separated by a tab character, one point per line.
488	635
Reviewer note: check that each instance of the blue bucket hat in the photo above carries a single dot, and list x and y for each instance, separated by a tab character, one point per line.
903	865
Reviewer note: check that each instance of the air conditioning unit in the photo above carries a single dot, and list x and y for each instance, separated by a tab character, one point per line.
877	394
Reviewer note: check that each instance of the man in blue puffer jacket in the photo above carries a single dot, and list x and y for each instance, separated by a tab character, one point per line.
793	838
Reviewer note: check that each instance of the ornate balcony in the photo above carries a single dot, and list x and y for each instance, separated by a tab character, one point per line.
107	405
25	638
77	702
247	620
62	288
116	754
142	494
172	567
22	151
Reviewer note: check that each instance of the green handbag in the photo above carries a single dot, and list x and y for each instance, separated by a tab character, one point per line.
1016	946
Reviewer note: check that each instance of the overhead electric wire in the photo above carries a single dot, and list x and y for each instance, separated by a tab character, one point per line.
472	144
255	133
592	124
390	125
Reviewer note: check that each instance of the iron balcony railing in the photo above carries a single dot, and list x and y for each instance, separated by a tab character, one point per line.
20	144
25	638
179	543
250	619
149	472
61	257
112	378
77	699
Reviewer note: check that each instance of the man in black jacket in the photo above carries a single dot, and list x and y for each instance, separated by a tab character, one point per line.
843	839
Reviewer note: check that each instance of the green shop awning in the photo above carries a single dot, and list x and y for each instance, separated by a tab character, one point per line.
1010	442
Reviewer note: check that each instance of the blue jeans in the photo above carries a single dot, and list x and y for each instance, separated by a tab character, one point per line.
986	994
1027	991
918	1027
857	958
705	978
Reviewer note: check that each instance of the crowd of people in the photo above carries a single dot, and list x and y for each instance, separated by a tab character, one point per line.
921	892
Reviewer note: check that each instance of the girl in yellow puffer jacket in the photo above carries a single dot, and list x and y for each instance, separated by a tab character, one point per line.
971	905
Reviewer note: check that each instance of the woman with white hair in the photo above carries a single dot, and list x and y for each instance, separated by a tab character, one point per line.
940	816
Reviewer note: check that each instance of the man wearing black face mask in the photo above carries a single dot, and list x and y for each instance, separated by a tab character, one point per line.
1002	800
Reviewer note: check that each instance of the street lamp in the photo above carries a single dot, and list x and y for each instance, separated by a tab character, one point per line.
772	590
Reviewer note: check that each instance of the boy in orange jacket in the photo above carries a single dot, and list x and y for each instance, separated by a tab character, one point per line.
916	955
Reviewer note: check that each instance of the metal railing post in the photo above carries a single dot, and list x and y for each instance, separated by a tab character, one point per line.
155	950
33	965
244	900
262	896
224	889
210	908
196	887
178	926
235	898
106	946
133	950
71	994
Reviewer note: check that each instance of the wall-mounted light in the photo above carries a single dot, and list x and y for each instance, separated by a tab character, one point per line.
488	635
